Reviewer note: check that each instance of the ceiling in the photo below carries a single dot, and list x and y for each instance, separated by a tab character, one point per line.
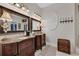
43	5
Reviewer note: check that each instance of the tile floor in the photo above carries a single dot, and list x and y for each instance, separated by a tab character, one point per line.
50	51
46	51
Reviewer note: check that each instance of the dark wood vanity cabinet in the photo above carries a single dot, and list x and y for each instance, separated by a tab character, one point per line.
9	49
38	43
43	39
26	47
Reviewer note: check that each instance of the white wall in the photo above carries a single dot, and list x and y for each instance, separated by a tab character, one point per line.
51	16
77	24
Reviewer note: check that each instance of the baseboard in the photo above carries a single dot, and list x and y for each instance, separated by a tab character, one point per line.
48	43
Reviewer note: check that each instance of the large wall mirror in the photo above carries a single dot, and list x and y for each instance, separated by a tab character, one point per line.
36	25
12	21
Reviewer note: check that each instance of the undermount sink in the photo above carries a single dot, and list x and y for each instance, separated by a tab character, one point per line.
4	39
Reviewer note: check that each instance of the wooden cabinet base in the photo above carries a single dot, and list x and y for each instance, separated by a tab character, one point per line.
9	49
26	47
43	39
40	41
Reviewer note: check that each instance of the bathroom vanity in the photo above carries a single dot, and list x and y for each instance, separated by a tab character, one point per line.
40	41
15	29
20	45
26	47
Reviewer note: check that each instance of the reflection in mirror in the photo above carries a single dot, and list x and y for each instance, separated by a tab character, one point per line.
19	25
35	25
12	22
4	19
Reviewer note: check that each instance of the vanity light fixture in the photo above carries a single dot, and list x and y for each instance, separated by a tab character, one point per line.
17	5
23	8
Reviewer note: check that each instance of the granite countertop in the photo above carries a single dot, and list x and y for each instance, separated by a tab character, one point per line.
14	40
39	33
15	37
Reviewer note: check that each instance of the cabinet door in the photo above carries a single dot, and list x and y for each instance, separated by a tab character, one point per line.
26	52
26	47
38	42
9	49
43	40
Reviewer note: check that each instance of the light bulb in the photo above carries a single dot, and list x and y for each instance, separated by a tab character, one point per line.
27	10
23	8
17	5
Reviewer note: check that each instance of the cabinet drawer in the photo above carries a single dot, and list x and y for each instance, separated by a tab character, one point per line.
26	51
9	49
38	42
25	43
26	47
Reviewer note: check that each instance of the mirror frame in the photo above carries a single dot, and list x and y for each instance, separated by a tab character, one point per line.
32	24
11	11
